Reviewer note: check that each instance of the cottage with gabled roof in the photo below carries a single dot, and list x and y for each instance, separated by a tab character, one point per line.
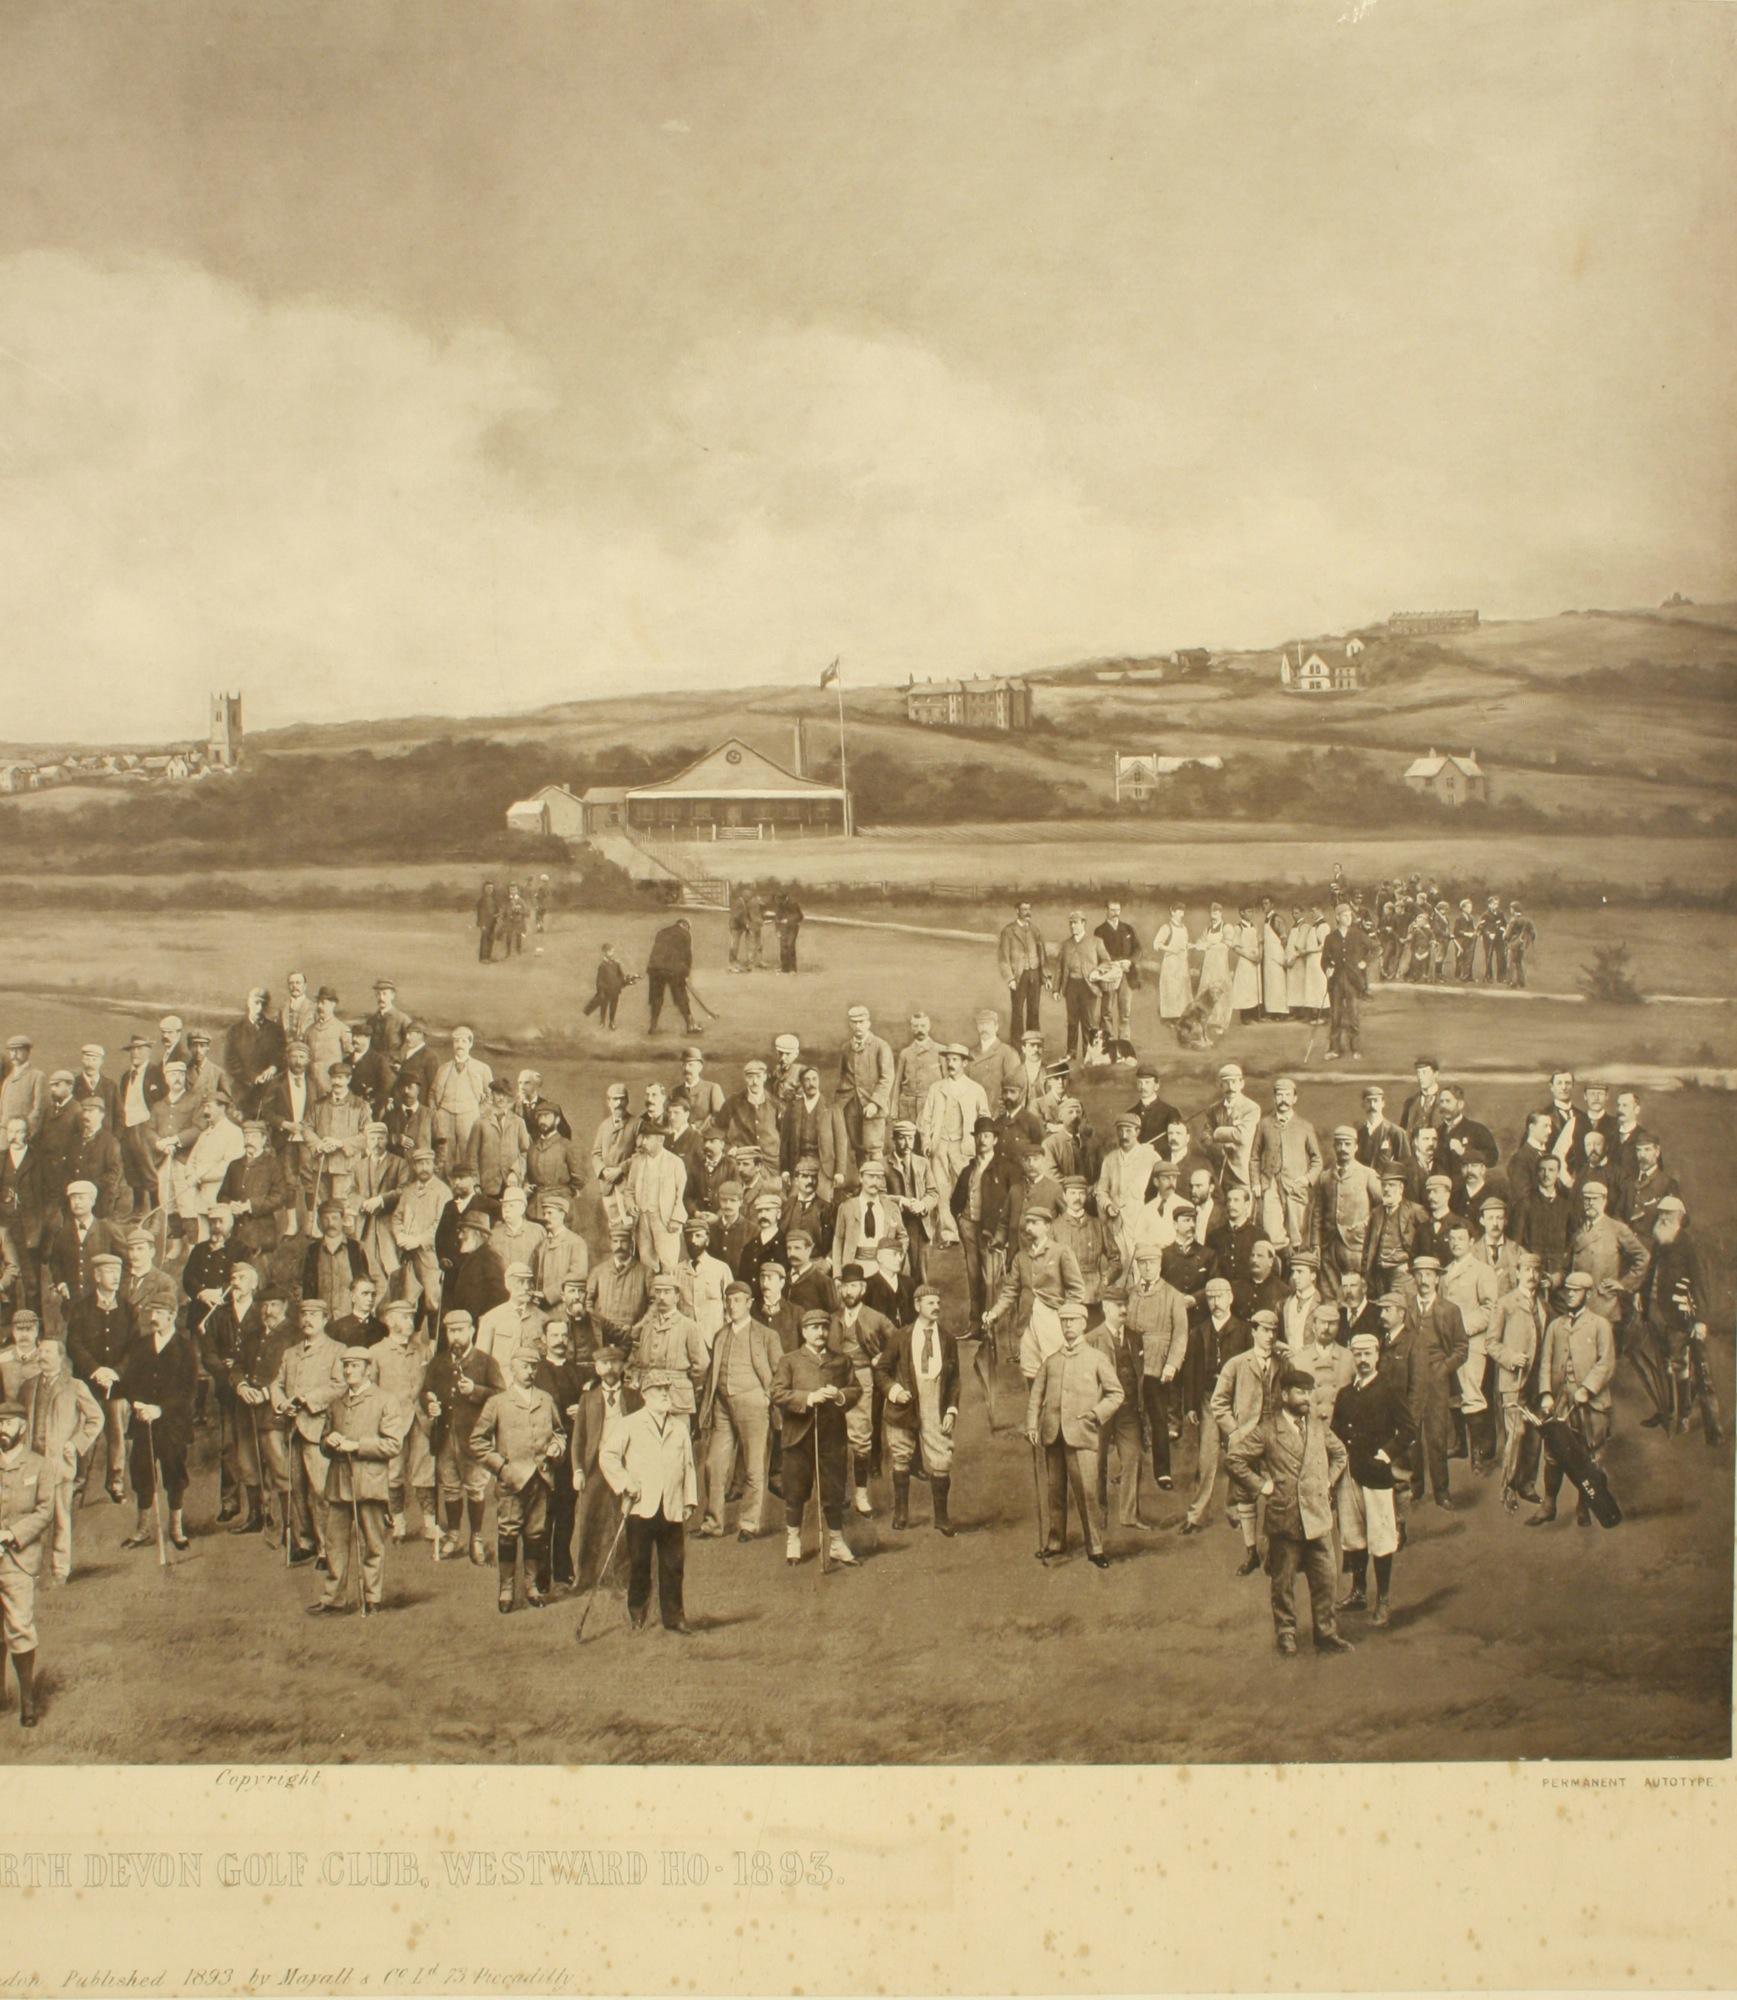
1456	781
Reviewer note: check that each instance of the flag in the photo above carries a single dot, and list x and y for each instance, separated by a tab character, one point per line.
829	675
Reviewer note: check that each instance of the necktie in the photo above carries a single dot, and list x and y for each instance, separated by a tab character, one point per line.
928	1348
869	1225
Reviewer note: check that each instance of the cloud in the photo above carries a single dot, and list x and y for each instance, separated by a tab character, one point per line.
315	505
346	516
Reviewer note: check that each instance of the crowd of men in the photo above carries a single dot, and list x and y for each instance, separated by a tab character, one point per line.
354	1255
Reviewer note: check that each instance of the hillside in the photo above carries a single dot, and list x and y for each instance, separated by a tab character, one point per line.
1544	702
1593	719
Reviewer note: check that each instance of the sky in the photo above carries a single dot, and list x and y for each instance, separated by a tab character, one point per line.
377	359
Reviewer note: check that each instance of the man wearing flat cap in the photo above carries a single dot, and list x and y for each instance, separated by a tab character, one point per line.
30	1208
814	1387
309	1379
74	1239
951	1108
99	1330
1073	1395
648	1459
96	1157
26	1510
1574	1379
1441	1354
520	1437
656	1195
226	1323
864	1090
415	1217
1081	966
1345	1200
253	1052
364	1432
92	1082
460	1380
1124	1180
257	1193
618	1290
58	1138
23	1087
263	1434
735	1412
667	1342
517	1322
205	1078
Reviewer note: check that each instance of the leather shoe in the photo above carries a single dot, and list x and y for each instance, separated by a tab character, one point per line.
1444	1503
742	1535
1249	1564
1287	1645
681	1628
1099	1562
1330	1642
323	1610
1190	1528
1543	1514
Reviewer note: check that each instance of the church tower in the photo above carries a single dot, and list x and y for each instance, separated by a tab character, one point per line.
224	750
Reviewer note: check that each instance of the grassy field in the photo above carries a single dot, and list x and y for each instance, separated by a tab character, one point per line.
204	961
1491	1653
1198	857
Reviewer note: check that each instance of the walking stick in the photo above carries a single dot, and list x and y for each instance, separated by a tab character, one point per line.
819	1502
356	1540
620	1530
1040	1481
156	1492
266	1510
292	1451
983	1363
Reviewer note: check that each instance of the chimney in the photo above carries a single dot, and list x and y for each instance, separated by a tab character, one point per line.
796	735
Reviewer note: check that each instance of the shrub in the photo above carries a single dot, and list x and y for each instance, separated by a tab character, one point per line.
1608	978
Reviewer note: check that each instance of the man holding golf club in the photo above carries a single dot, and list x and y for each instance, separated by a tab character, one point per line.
363	1433
648	1458
812	1388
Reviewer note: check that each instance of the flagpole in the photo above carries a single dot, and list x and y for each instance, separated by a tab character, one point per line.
843	769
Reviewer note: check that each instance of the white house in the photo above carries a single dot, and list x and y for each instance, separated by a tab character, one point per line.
554	810
1312	674
1140	774
1453	780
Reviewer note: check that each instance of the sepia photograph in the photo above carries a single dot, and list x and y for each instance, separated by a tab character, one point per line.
868	887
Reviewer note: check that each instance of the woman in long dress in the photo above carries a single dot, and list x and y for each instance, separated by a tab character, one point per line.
1275	1002
1295	940
1314	974
1171	945
1245	972
1213	991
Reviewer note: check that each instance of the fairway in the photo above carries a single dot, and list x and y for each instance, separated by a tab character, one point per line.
936	1651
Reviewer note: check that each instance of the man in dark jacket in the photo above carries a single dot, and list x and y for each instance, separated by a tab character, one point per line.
666	972
612	982
1373	1422
982	1210
917	1371
1345	965
96	1157
253	1053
